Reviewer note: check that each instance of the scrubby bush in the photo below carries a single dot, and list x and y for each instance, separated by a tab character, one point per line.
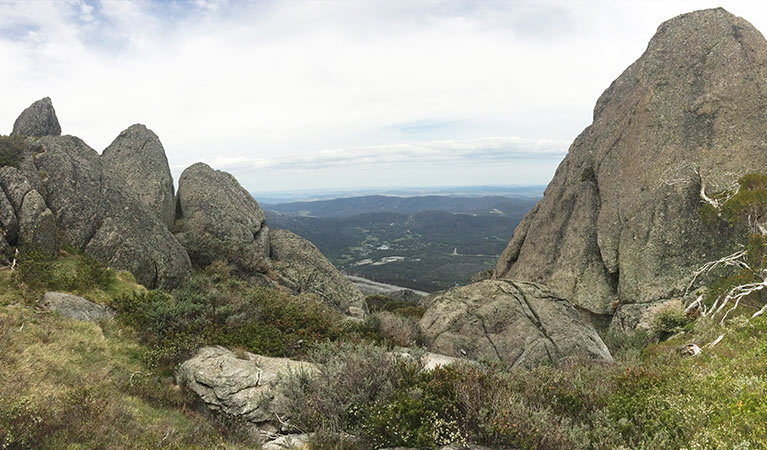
12	150
669	322
213	309
385	399
379	303
399	330
74	273
659	400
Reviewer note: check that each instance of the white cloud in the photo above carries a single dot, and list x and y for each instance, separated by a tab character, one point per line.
475	151
278	82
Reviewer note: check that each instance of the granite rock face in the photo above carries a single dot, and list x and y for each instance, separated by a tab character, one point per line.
517	323
136	158
37	120
304	269
620	222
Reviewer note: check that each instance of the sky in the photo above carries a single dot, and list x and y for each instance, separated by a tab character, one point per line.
303	94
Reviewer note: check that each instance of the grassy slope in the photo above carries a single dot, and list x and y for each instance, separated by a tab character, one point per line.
84	385
70	384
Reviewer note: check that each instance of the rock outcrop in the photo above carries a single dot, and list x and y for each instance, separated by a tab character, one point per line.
304	269
75	307
119	208
37	120
217	218
246	388
64	190
620	222
517	323
213	206
93	213
136	158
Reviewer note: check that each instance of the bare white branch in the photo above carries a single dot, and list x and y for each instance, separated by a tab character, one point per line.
736	259
716	341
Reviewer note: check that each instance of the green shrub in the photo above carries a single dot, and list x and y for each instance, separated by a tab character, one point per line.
12	150
74	272
210	309
626	346
380	303
669	322
203	248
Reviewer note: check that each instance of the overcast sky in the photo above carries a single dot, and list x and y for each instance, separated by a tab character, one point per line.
292	95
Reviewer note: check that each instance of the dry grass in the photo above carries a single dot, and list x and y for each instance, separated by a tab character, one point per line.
400	330
74	383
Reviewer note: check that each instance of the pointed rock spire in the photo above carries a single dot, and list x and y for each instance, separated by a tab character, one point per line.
38	120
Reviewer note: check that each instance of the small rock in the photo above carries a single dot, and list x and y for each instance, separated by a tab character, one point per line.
76	307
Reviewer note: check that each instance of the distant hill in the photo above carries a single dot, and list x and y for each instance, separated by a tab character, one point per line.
427	243
345	207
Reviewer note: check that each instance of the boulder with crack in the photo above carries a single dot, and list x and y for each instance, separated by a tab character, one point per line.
304	269
517	323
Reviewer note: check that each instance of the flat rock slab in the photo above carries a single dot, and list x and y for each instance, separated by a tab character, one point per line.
76	307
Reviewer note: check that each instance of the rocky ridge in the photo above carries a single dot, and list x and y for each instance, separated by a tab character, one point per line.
120	208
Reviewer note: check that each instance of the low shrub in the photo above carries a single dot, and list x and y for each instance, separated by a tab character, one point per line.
669	322
381	303
399	330
74	272
12	150
212	310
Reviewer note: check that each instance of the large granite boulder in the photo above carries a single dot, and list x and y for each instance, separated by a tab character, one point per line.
38	120
244	387
137	159
74	179
620	221
304	269
212	207
517	323
93	213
